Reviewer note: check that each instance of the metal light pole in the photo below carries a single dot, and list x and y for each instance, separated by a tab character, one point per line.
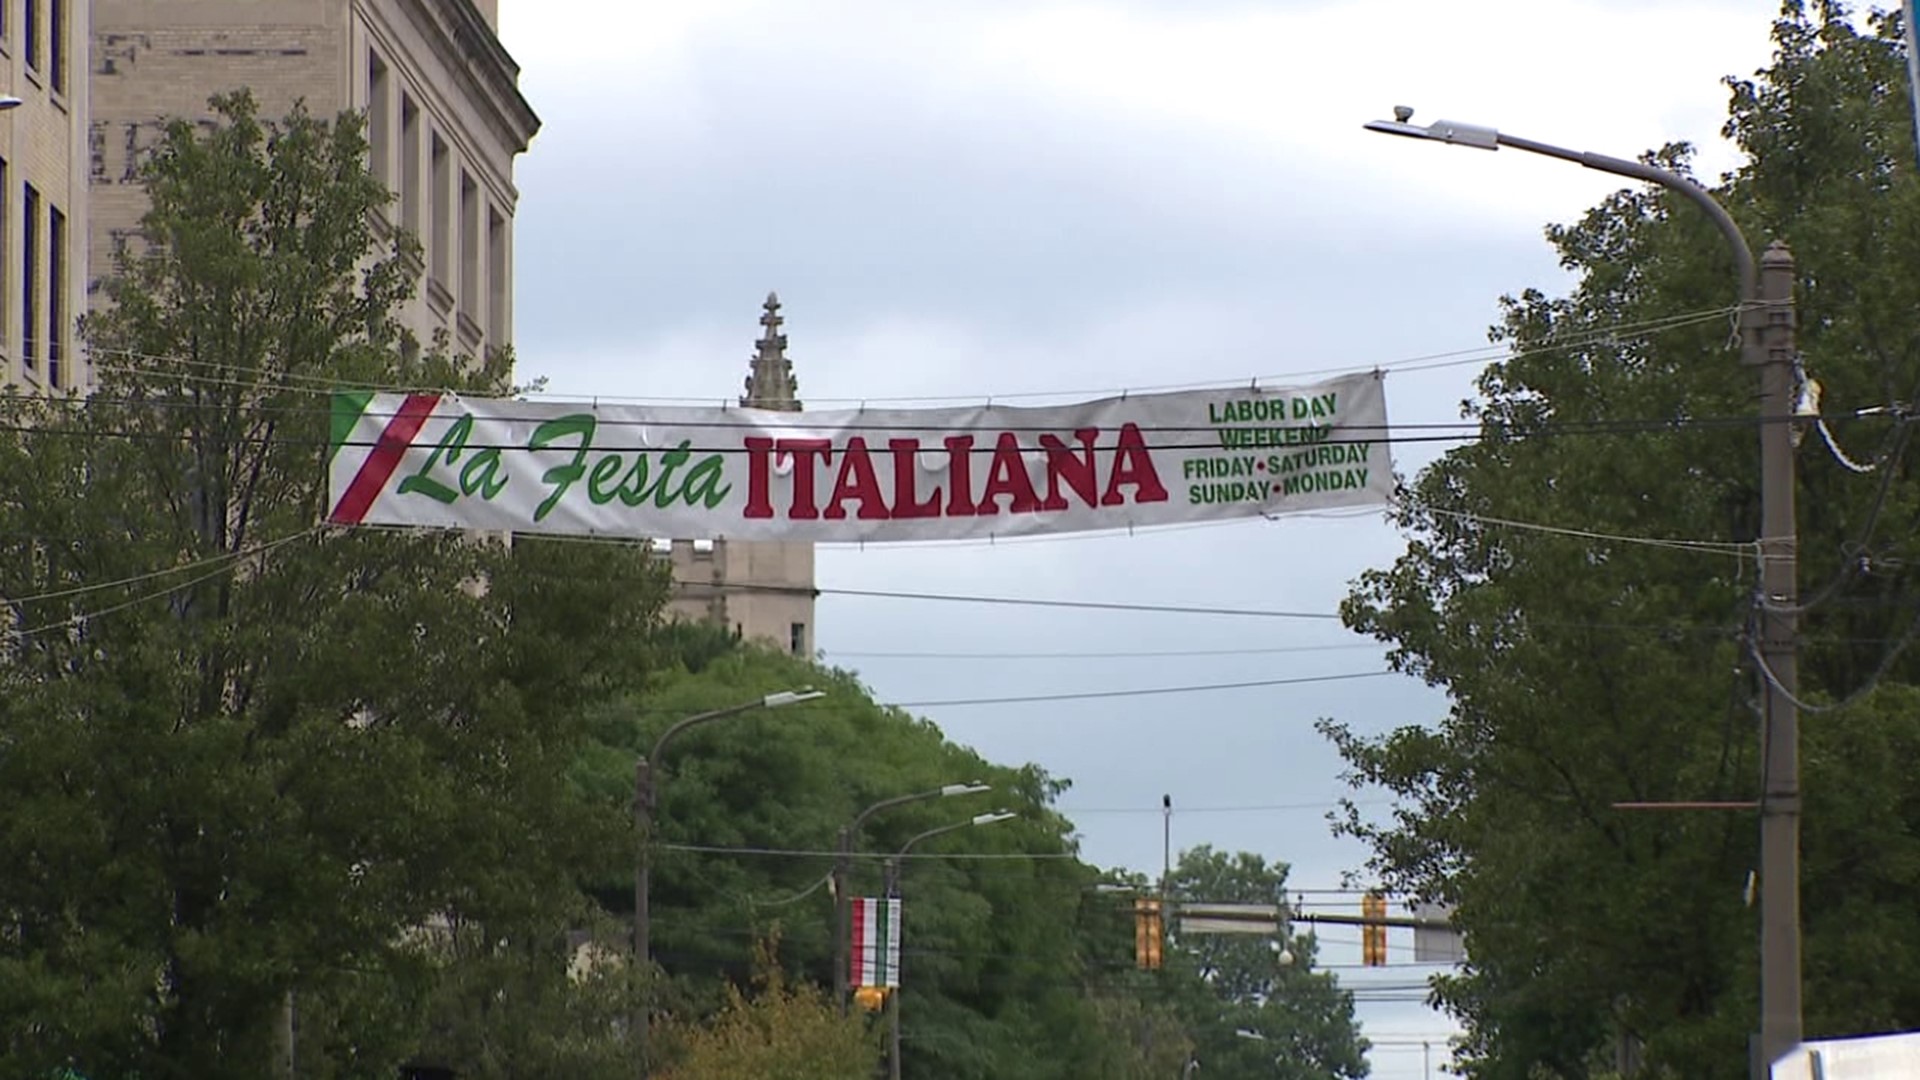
843	865
1766	342
893	889
645	793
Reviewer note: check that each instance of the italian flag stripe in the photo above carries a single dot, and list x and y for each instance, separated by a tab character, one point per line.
347	407
374	473
876	942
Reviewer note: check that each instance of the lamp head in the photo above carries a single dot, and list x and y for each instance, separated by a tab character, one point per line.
1447	131
790	697
973	788
8	101
990	818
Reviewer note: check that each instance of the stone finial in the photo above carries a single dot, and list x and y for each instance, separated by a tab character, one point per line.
770	383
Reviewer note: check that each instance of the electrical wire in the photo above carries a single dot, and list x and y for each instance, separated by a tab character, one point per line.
1137	692
1149	654
1711	547
79	590
85	617
1018	601
1255	809
1425	362
804	853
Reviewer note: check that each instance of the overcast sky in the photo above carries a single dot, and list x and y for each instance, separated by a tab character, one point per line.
986	197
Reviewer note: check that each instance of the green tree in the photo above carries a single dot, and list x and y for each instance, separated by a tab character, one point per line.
251	757
1583	671
995	955
1299	1022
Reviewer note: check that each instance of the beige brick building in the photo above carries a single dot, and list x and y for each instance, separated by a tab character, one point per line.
43	192
763	590
445	120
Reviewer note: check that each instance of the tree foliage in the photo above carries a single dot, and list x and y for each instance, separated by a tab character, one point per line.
782	1031
251	757
1254	1004
1584	671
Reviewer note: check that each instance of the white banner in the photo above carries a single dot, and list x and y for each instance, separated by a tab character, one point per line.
869	475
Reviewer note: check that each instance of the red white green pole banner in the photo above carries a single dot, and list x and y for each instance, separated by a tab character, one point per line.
876	942
866	475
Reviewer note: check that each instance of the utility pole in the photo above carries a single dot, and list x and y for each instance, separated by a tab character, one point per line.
1767	343
1770	334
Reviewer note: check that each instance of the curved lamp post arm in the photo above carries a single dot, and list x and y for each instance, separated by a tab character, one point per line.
1486	138
893	862
974	788
771	701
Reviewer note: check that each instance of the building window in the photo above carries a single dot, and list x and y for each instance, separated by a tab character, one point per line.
57	44
6	227
379	133
30	277
409	165
30	32
442	196
469	247
496	279
797	638
56	295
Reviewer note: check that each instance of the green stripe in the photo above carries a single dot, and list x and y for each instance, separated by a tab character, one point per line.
882	927
348	406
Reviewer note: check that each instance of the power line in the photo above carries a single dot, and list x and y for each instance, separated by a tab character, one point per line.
1150	654
1427	362
1256	809
806	853
1137	692
1017	601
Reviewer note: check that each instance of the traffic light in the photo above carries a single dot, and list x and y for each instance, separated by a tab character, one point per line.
1373	935
870	998
1147	931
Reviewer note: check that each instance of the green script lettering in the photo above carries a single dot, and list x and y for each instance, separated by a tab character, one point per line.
447	452
562	477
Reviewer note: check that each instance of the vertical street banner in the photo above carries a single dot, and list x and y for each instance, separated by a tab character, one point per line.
438	460
876	942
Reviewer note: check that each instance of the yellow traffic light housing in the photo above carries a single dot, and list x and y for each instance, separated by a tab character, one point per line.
1373	935
1148	931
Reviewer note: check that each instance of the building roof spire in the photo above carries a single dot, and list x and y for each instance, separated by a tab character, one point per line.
770	383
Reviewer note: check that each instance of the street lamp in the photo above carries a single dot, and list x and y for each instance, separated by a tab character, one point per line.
8	101
645	792
842	866
893	889
1766	342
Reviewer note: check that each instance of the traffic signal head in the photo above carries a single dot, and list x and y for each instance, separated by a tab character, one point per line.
1373	934
1147	933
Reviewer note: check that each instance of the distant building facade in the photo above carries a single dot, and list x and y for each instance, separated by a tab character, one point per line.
43	193
762	590
445	121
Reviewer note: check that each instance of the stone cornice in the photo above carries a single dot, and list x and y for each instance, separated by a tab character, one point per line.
472	51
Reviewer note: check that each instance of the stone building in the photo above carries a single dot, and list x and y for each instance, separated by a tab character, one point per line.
445	120
762	589
43	192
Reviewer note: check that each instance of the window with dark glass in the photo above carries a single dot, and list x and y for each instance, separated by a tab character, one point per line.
56	295
30	35
30	277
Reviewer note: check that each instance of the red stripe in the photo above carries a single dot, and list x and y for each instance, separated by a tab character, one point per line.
378	468
859	940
